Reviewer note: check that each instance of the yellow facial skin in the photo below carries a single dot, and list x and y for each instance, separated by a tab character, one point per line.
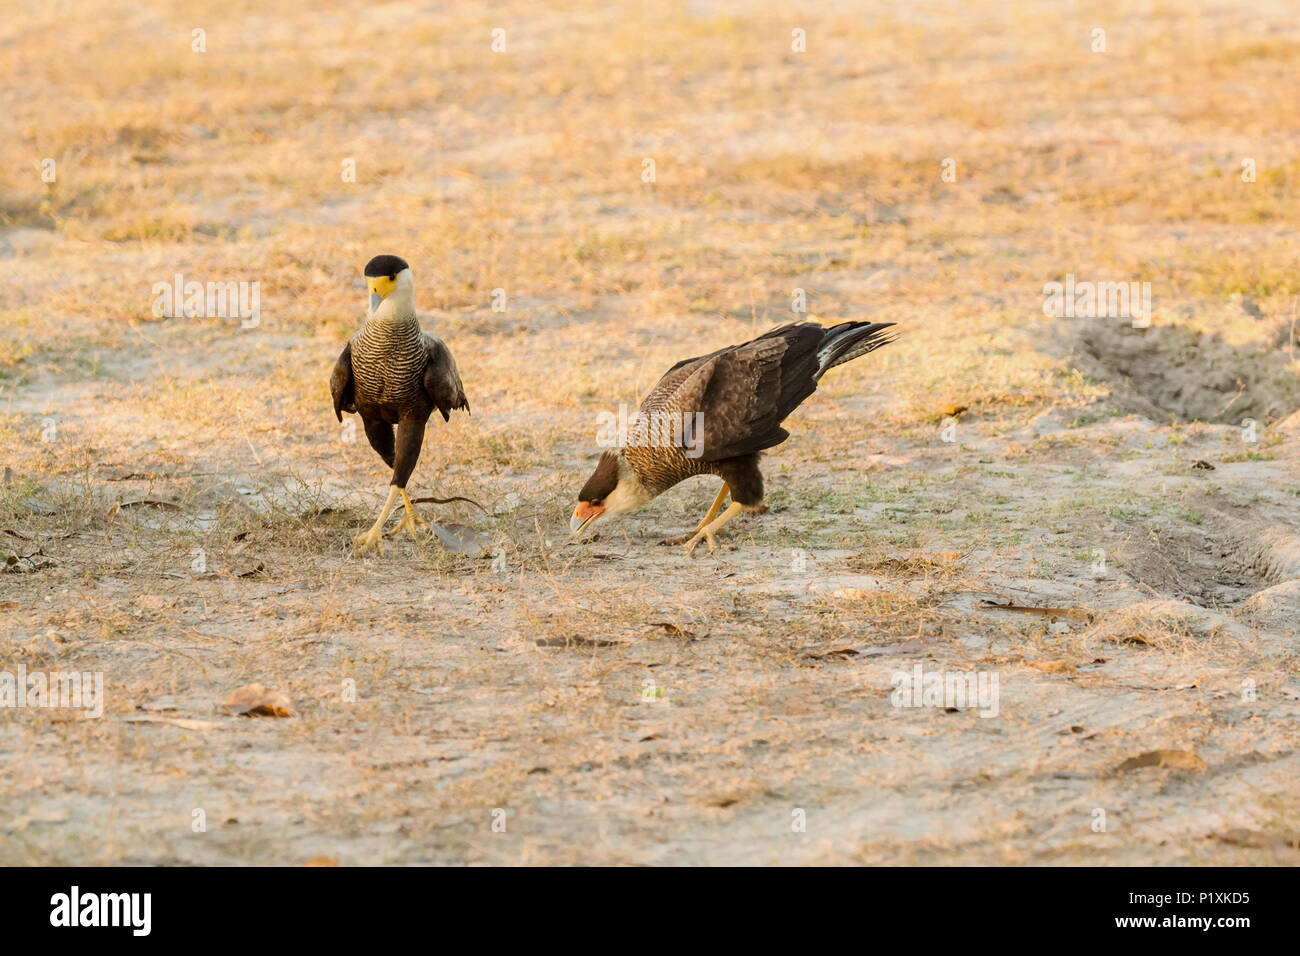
381	285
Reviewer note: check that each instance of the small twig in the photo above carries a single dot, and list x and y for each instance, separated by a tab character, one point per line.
1078	613
1241	388
447	501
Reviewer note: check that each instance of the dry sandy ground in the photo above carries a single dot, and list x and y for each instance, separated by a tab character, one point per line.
615	701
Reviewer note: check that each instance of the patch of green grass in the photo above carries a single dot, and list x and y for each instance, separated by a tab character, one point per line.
1248	456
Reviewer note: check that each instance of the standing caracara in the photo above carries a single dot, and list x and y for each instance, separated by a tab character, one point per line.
730	406
391	373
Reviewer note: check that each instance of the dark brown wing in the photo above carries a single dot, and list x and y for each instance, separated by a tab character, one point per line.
441	378
679	373
743	393
341	385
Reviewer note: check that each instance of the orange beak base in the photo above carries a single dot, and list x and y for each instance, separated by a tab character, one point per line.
584	515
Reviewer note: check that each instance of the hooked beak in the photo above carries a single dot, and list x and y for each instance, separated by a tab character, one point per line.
584	515
375	299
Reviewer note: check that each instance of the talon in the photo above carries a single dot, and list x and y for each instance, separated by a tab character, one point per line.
411	520
706	526
365	542
691	545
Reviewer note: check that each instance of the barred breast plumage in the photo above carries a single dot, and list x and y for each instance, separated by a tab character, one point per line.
660	467
388	360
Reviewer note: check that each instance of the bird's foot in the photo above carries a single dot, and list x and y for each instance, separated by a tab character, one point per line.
411	520
683	538
707	536
372	539
412	523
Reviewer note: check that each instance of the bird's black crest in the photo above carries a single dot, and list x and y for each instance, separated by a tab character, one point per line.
385	266
602	481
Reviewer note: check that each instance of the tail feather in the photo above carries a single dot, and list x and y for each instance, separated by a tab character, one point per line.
849	340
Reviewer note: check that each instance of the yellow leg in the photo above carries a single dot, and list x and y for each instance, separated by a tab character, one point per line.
712	513
374	538
411	520
707	531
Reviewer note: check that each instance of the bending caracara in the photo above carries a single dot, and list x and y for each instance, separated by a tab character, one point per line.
391	373
718	412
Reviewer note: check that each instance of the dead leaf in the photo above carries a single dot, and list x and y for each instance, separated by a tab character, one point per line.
674	629
150	503
575	642
1165	759
8	605
256	571
1202	465
157	706
460	539
322	861
1130	639
254	700
1051	667
838	654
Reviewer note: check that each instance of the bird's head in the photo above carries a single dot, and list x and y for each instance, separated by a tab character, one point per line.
388	276
612	489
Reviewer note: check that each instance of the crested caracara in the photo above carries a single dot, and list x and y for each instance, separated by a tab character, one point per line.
714	415
391	373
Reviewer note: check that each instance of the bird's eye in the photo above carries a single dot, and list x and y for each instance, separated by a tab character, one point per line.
598	502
